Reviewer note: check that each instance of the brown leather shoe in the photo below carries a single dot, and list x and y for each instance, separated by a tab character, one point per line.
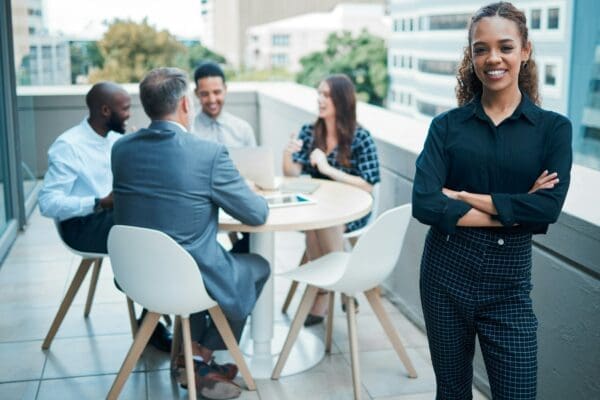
227	371
209	384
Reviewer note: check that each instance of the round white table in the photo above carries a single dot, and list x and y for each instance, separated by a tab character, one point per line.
336	204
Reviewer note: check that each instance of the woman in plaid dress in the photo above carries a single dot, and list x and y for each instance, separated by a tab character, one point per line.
334	147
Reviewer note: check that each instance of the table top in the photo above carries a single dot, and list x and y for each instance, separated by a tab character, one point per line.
336	204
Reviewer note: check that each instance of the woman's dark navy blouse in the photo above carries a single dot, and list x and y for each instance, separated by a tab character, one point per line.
464	150
363	161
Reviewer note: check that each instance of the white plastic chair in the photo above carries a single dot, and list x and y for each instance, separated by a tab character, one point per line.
350	239
156	272
87	259
362	270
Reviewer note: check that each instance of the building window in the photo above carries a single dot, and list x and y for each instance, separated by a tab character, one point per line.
204	12
449	22
536	18
550	75
410	62
410	24
553	14
403	25
31	30
279	60
397	25
280	40
409	99
439	67
402	64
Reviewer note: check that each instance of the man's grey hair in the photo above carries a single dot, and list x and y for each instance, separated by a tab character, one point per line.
161	89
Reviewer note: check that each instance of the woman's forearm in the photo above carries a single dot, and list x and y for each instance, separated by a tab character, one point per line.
482	202
477	218
290	168
341	176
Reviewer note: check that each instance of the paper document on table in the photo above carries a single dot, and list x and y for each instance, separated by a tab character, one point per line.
224	217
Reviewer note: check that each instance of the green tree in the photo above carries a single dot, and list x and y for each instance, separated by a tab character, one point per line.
85	55
131	49
198	53
363	58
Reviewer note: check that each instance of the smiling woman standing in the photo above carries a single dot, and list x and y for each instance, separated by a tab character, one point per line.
492	173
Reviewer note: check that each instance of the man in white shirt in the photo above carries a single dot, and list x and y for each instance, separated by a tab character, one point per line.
214	124
77	189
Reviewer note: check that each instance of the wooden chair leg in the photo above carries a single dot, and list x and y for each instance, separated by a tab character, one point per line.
84	267
132	319
303	309
189	358
351	317
293	286
329	328
135	351
176	344
92	289
375	301
225	331
289	297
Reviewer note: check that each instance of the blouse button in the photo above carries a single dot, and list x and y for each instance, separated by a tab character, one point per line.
501	242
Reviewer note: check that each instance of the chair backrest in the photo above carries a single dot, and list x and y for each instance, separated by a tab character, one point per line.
376	199
376	251
156	272
83	254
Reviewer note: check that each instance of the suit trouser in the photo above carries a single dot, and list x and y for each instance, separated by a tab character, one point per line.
203	328
476	282
88	233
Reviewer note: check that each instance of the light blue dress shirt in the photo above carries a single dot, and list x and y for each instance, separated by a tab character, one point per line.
226	129
78	172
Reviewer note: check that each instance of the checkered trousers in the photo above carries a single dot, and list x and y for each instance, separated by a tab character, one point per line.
477	282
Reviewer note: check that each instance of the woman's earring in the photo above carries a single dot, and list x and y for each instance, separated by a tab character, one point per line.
524	64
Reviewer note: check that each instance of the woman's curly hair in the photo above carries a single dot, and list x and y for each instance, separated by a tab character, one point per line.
468	84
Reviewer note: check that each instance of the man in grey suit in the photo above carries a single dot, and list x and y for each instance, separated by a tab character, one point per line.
170	180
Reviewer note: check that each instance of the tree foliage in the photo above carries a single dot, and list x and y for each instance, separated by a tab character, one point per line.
198	53
131	49
84	56
363	58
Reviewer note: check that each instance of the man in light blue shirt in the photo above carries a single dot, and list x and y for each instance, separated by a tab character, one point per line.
77	189
217	125
213	123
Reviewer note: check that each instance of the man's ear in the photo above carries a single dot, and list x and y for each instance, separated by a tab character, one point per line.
105	110
185	104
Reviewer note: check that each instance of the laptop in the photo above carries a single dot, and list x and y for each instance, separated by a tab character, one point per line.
256	164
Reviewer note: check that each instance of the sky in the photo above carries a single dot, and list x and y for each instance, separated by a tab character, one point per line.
84	18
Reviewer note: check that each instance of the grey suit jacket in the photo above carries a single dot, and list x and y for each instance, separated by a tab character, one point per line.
167	179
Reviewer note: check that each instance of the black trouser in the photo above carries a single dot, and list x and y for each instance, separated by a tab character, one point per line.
204	330
242	246
88	233
476	283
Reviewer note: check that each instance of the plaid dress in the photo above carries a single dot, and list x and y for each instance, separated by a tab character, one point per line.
363	161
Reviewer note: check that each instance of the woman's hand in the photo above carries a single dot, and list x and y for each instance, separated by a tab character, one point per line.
319	159
294	145
453	194
544	181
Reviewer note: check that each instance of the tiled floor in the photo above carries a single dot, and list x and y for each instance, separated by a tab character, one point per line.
87	353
